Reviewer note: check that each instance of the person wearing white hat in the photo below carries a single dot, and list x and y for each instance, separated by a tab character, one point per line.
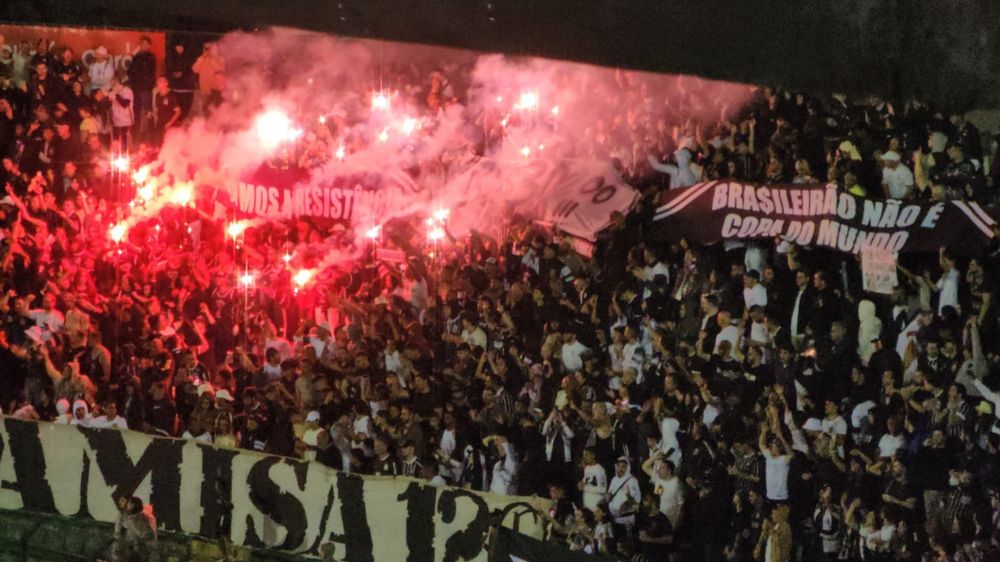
81	414
101	71
897	179
311	439
623	495
62	408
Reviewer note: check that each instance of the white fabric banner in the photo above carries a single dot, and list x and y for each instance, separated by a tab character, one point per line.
269	501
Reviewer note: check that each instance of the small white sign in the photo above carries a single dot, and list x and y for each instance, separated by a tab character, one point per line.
878	271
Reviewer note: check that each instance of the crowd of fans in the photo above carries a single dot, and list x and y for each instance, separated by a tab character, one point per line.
737	402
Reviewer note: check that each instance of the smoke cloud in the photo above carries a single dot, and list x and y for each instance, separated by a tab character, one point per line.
347	106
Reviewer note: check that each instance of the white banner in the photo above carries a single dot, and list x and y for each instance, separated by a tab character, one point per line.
271	502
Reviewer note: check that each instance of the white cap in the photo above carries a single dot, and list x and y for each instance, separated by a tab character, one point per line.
813	424
224	395
312	416
891	156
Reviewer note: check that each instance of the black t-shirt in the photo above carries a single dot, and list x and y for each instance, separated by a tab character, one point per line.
385	467
166	105
656	526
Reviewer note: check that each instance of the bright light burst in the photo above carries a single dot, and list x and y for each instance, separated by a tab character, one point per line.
409	125
373	232
287	258
441	215
435	234
141	175
274	128
246	279
182	195
341	151
322	119
529	100
117	232
302	277
526	151
235	229
555	110
145	192
383	137
120	163
380	102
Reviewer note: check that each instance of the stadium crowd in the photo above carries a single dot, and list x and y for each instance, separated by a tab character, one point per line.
735	402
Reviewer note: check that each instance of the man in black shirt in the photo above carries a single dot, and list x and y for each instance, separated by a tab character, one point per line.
67	70
142	78
409	463
655	531
15	318
383	464
167	109
162	413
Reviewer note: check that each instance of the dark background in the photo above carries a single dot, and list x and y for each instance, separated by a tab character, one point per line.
945	52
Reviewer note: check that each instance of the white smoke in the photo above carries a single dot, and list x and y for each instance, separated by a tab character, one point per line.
368	100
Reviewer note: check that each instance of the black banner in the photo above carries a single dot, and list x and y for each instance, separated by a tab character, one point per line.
820	216
272	502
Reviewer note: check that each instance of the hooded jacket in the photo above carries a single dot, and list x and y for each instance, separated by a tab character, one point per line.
869	328
681	175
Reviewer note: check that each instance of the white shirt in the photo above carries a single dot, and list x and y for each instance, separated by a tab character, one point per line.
624	490
650	272
794	327
117	422
635	357
361	426
659	268
101	74
671	497
447	443
731	334
889	444
203	438
122	116
861	411
51	320
756	295
504	471
595	485
272	372
759	333
948	285
281	344
476	337
616	357
898	182
836	426
776	476
393	362
572	356
668	440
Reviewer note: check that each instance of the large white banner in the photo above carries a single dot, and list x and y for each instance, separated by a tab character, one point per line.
577	196
270	501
